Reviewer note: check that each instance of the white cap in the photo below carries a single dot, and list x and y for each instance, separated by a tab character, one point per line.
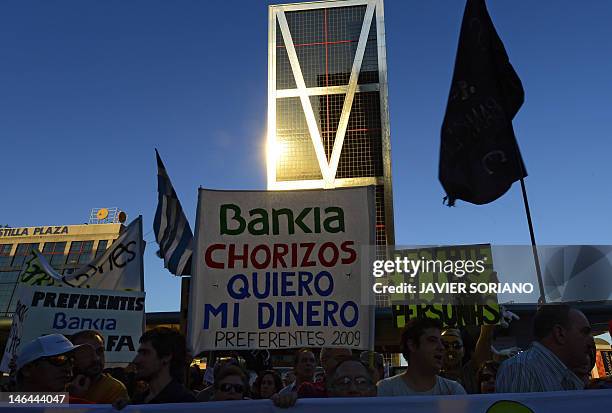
44	346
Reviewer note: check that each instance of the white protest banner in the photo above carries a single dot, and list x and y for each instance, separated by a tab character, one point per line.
38	271
281	269
16	333
119	268
549	402
118	315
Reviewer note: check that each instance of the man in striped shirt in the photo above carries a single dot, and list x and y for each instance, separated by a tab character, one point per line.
562	340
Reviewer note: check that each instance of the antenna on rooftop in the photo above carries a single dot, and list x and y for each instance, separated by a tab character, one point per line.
107	216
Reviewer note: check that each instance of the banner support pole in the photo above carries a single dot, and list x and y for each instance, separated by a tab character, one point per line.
534	249
185	284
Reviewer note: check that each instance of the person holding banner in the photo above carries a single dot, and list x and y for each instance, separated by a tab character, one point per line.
422	347
453	367
90	382
562	345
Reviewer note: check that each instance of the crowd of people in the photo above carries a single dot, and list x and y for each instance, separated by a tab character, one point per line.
560	358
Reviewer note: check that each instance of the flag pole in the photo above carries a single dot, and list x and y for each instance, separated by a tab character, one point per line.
534	249
496	82
184	312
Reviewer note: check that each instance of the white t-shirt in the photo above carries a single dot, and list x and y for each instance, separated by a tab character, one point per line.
397	386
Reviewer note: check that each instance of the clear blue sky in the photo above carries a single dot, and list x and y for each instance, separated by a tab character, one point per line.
89	88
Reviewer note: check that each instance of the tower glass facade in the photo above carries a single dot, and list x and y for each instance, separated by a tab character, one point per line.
328	118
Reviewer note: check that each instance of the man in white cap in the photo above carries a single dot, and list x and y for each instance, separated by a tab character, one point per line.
45	364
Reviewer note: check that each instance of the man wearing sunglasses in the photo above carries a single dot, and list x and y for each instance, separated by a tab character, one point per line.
231	383
453	367
207	394
45	364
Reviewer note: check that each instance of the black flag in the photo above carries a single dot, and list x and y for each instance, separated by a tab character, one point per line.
479	156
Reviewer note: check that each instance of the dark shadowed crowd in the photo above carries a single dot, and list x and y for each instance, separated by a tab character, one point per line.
561	357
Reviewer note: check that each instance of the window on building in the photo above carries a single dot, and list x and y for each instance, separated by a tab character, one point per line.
54	253
102	245
21	253
12	304
8	276
80	252
5	255
6	292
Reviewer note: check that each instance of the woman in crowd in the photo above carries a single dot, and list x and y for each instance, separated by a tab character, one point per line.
267	383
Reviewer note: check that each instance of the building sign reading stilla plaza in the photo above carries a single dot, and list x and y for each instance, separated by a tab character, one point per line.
33	231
